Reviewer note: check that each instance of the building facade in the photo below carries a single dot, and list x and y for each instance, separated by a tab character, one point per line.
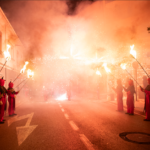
9	37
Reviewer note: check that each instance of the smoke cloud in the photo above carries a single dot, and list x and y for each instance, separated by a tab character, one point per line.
51	29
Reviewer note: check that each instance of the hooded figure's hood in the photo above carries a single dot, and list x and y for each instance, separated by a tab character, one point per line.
1	82
130	82
10	85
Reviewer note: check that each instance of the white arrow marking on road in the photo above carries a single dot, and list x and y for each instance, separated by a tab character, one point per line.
66	116
16	118
24	131
73	125
87	143
62	110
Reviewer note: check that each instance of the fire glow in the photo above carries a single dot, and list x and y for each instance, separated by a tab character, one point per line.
106	68
98	72
123	66
7	54
24	67
133	52
30	73
62	97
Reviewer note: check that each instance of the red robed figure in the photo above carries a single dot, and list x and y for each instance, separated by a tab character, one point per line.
130	97
147	100
11	99
1	101
118	90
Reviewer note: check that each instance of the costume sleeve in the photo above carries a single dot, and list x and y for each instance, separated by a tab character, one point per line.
147	92
114	89
126	89
16	93
10	93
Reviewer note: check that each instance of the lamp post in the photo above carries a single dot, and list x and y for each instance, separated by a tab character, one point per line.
135	67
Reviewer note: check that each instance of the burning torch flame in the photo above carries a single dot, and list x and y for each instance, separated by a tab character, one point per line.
133	52
7	54
98	72
24	67
106	68
30	73
123	66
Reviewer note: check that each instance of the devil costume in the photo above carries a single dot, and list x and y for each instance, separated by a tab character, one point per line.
147	101
11	99
2	102
119	92
130	97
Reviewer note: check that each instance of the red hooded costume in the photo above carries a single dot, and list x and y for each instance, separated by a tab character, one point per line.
147	100
130	97
11	99
119	90
1	101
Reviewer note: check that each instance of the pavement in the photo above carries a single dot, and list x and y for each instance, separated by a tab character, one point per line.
79	124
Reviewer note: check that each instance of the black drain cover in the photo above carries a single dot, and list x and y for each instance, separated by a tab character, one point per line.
136	137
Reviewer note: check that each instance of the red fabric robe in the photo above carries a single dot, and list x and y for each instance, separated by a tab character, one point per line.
11	99
118	90
147	104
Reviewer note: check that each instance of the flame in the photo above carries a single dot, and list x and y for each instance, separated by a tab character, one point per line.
98	72
30	73
123	66
133	52
24	67
7	54
62	97
106	68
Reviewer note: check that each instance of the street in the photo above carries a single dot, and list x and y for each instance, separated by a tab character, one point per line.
73	125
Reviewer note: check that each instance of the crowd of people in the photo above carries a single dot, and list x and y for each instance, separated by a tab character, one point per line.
10	92
130	90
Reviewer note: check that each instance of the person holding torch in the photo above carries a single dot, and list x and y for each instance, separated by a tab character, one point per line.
11	99
130	97
147	100
1	102
119	92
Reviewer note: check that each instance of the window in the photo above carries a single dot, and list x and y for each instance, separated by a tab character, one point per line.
0	42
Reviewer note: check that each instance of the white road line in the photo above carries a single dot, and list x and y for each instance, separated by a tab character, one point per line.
66	116
86	142
62	110
73	125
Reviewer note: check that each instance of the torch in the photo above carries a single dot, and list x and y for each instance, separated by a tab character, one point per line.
21	82
22	70
7	56
107	69
98	72
123	66
30	75
133	54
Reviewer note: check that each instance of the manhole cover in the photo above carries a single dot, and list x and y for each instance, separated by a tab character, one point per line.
136	137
